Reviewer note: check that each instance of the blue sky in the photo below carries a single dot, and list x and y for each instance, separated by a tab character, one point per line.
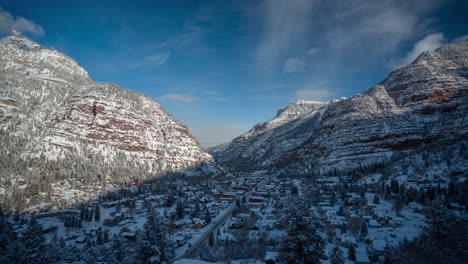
222	66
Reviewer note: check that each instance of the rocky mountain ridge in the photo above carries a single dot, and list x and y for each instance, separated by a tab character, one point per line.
53	115
419	105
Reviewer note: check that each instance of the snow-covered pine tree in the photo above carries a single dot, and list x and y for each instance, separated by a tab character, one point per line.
207	216
180	208
34	242
336	255
351	252
376	199
97	213
153	245
302	244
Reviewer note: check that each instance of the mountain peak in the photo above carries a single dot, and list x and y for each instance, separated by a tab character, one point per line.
299	108
21	39
27	56
301	101
16	33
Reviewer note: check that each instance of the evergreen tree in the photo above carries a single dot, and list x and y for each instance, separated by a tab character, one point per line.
53	251
7	236
351	252
153	246
196	211
372	255
207	216
336	255
117	249
340	211
180	209
364	230
451	189
238	203
99	238
332	199
302	244
398	204
211	240
97	213
34	242
92	254
444	241
16	218
376	199
106	236
169	201
439	220
15	254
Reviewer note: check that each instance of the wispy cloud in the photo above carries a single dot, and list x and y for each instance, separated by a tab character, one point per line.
376	28
429	43
294	64
394	24
313	91
285	21
460	39
312	51
9	23
156	59
187	98
191	33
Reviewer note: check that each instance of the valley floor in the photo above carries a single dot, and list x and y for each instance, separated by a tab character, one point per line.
241	218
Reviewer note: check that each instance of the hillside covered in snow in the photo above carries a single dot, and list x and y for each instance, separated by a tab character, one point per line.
60	128
414	120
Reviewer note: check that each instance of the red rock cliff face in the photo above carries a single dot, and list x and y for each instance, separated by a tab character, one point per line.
138	127
421	103
48	100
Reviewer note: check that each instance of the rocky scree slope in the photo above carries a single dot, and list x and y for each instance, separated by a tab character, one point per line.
421	105
56	124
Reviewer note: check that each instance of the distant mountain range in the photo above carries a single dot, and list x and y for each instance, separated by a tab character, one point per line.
415	122
56	124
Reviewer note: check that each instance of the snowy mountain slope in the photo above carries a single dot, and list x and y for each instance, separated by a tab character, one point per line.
291	127
53	115
422	103
215	150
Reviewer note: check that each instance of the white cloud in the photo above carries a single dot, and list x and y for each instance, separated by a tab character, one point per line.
460	39
381	26
312	51
285	23
9	23
158	58
311	95
394	21
177	97
294	64
429	43
343	29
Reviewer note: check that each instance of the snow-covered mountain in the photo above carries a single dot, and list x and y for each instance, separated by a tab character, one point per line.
56	124
215	150
415	110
